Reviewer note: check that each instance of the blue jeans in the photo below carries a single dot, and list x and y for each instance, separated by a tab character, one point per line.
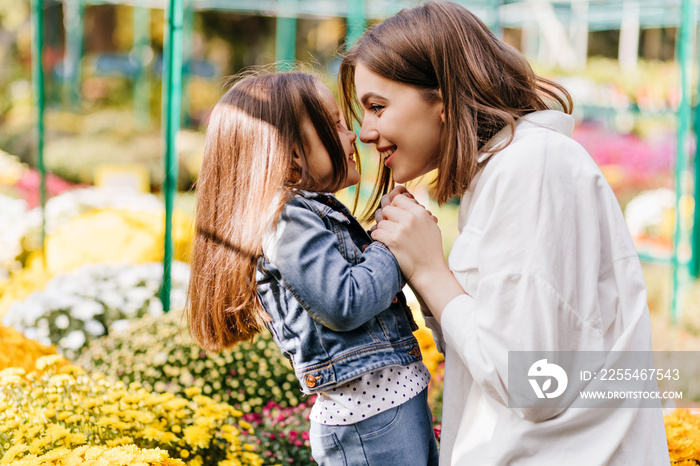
399	436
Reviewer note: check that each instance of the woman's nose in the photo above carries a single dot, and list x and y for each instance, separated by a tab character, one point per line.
368	134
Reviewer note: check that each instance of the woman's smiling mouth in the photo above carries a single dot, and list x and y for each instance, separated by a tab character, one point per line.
386	153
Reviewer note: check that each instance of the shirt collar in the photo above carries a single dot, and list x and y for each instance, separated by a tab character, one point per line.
550	119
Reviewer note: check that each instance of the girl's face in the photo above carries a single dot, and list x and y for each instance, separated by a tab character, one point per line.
317	157
400	122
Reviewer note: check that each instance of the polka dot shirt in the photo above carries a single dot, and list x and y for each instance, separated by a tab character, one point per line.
372	393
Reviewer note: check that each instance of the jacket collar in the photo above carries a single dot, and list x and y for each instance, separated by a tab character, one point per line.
327	199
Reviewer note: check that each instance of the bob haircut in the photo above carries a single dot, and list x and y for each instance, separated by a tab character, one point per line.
248	173
446	52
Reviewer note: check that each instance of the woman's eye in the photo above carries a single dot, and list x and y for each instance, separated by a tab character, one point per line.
376	108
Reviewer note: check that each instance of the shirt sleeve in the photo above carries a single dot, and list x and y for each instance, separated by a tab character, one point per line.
537	259
434	326
336	293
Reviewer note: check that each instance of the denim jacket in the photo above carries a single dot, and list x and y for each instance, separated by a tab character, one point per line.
334	295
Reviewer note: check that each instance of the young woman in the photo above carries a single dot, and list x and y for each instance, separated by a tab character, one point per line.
543	262
274	246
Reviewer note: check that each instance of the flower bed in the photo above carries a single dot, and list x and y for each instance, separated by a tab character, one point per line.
83	226
158	353
683	435
79	307
283	433
16	350
64	407
86	455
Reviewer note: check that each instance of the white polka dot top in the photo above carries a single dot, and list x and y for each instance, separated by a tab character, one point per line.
370	394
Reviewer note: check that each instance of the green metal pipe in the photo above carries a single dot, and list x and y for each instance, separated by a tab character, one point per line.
172	92
141	51
357	21
495	19
39	93
188	27
685	61
695	240
286	35
694	266
73	20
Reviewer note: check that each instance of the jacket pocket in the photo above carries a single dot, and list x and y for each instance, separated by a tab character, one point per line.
464	259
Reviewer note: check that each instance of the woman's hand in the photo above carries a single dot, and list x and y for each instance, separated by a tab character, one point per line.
386	200
410	232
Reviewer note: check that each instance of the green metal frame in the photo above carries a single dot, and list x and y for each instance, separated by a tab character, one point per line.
37	7
286	34
74	50
141	48
172	95
685	56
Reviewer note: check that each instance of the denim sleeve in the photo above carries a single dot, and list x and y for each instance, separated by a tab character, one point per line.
336	293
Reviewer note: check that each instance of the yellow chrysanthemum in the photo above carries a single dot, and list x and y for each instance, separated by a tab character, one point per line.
70	421
20	352
13	453
683	435
197	436
115	236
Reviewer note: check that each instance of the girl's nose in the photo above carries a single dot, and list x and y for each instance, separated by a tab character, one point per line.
352	135
368	134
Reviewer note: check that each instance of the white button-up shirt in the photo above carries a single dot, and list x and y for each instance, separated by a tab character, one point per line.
548	264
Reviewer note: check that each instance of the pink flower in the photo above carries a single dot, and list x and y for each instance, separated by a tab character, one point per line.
305	435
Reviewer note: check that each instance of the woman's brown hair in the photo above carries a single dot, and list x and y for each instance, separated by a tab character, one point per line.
248	173
445	51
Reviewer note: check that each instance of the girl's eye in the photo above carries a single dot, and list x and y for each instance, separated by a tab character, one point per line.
376	108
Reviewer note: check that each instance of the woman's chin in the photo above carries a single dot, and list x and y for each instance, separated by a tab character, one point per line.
400	178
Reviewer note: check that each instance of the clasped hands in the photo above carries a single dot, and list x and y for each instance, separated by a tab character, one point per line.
410	232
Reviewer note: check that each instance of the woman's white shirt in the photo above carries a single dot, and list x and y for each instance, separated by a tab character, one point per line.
548	264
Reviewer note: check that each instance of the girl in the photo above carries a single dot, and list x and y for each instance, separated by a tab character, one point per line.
543	262
275	248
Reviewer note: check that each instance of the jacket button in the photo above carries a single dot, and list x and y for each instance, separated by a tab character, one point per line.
310	381
365	247
415	352
395	300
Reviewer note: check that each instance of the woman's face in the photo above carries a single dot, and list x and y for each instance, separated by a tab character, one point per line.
400	122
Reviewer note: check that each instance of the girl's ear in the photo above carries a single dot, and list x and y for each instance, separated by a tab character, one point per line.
296	158
442	108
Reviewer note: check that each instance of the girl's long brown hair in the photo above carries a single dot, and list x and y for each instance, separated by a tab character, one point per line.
445	50
247	174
